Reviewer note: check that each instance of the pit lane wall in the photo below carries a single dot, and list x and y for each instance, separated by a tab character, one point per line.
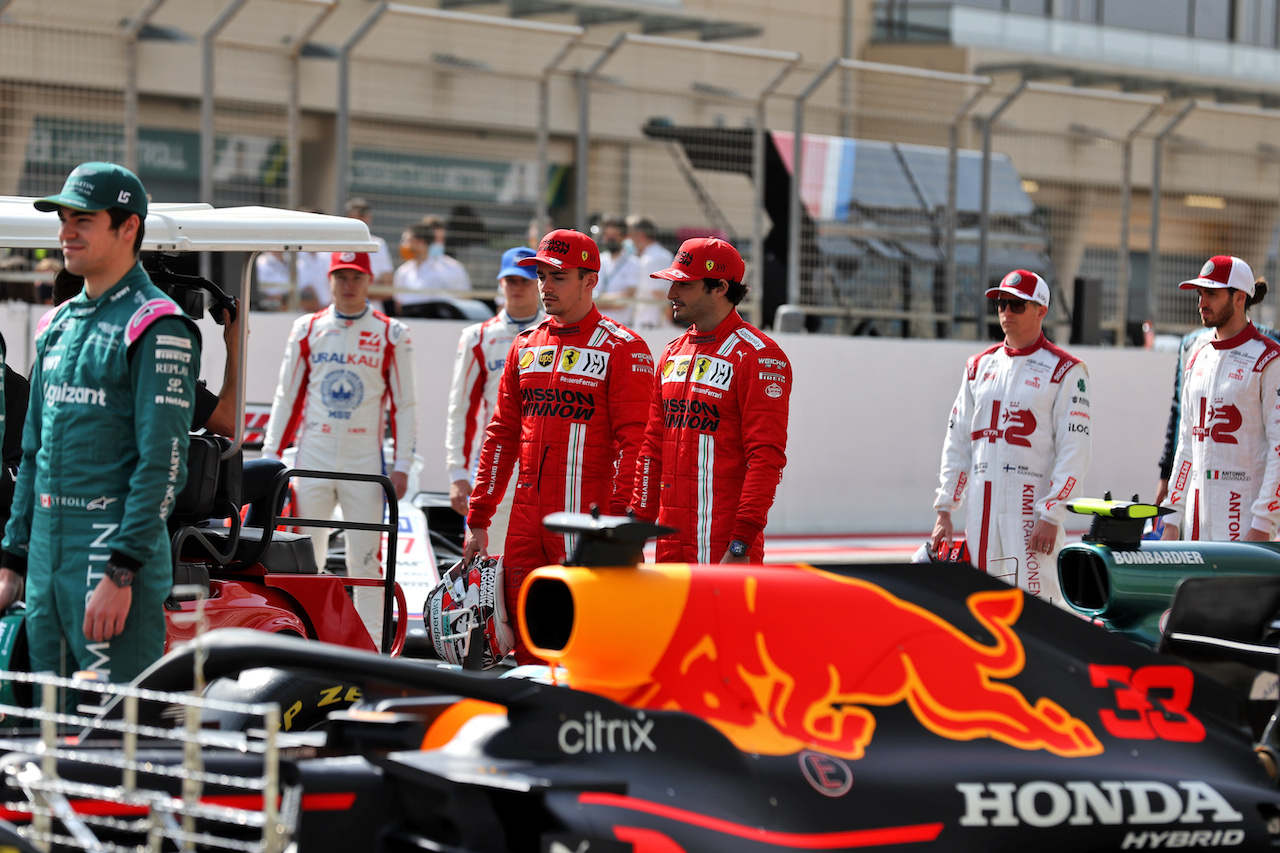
867	416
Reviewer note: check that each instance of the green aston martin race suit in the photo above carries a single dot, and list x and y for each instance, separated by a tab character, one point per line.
104	456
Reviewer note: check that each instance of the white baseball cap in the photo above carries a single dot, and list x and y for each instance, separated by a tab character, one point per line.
1023	284
1223	271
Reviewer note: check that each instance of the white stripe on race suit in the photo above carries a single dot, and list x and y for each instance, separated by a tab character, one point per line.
573	477
706	495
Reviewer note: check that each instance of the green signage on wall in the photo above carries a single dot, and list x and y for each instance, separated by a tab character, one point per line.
396	173
59	145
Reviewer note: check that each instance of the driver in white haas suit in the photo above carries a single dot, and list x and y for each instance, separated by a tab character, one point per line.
1018	441
344	368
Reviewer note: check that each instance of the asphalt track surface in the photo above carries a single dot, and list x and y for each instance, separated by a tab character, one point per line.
846	547
836	548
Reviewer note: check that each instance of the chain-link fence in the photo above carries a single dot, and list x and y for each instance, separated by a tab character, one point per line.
877	184
447	114
877	199
1216	182
672	131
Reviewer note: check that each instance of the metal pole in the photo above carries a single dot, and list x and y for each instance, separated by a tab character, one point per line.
1122	285
133	27
950	285
846	89
544	123
1126	200
1157	157
984	214
208	47
580	154
797	175
293	120
756	279
582	161
544	147
342	119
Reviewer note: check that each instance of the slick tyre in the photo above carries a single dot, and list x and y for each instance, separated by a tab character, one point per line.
305	702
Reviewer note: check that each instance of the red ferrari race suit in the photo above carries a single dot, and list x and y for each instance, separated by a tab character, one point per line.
1226	476
482	353
571	409
1018	441
339	376
716	441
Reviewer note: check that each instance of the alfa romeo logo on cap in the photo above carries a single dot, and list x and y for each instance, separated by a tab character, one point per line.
347	257
1013	280
1207	269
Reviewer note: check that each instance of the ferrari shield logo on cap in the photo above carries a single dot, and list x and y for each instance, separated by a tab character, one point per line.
711	265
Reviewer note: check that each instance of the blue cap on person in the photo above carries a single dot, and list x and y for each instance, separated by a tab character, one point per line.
98	186
511	259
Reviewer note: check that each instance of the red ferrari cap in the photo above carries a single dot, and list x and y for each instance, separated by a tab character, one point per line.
705	257
566	249
351	261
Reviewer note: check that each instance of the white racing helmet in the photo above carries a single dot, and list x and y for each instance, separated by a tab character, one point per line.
462	600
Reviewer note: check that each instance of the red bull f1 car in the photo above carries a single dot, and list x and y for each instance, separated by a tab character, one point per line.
717	708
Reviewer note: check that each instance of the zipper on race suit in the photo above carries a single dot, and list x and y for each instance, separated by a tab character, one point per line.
542	464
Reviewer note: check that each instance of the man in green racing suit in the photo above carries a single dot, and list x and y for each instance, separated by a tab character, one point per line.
104	444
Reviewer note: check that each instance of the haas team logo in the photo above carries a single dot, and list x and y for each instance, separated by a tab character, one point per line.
342	391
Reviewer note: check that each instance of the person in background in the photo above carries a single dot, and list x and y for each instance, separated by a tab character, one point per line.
1019	442
1225	476
651	310
344	367
482	355
619	268
427	272
1190	343
381	261
716	440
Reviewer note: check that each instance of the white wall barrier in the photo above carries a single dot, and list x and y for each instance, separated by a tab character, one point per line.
867	416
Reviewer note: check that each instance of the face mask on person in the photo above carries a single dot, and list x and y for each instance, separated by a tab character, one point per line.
611	246
406	252
629	246
436	250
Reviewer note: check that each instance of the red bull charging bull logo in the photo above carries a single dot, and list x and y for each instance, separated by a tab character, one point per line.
736	659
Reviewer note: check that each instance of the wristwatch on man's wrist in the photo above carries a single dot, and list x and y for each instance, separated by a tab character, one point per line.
737	548
119	575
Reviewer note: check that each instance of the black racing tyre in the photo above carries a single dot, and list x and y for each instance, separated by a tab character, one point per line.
305	701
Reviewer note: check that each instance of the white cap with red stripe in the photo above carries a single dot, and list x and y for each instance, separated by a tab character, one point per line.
1024	285
1223	271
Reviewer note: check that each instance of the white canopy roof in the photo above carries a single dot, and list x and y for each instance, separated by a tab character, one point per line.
197	227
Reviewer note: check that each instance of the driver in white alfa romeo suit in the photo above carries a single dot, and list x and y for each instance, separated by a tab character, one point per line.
1018	443
344	367
1225	480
